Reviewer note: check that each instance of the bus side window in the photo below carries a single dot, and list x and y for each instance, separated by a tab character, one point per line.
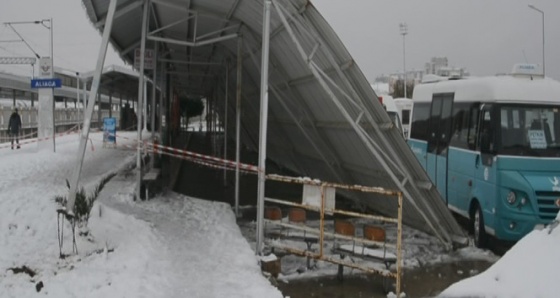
461	117
419	127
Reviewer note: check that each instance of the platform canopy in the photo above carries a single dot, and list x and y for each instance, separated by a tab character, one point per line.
324	122
116	80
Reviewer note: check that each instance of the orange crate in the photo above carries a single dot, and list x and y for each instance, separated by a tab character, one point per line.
297	215
273	213
374	233
344	227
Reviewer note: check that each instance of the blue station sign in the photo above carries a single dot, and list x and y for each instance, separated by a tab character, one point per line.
46	83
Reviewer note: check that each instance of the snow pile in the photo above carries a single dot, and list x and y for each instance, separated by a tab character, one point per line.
529	269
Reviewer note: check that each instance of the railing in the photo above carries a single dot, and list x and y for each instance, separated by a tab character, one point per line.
29	116
319	197
64	118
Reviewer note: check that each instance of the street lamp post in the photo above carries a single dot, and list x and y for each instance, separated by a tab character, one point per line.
542	13
404	31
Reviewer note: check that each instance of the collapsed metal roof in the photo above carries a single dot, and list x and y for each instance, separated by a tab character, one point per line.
325	121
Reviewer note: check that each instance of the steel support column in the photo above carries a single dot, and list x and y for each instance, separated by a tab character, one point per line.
226	121
263	124
153	105
141	89
238	120
98	110
154	89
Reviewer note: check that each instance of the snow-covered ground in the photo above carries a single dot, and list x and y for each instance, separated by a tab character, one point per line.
177	246
171	246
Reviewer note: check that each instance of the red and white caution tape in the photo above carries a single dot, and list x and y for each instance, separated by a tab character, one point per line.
203	163
205	158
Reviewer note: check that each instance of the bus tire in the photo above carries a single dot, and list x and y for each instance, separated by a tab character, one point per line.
479	234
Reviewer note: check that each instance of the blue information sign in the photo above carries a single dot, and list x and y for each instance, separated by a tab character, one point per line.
46	83
109	130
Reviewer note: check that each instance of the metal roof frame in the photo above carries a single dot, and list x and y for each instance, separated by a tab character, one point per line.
325	120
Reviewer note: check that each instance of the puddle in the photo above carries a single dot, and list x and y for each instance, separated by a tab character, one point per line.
419	282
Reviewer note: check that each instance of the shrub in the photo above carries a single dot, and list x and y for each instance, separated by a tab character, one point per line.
83	203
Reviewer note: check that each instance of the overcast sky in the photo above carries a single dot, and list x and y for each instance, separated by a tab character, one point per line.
76	42
485	36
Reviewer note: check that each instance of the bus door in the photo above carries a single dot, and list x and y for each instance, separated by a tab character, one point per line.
485	172
438	140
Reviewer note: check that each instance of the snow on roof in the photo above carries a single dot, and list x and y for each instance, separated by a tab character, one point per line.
496	88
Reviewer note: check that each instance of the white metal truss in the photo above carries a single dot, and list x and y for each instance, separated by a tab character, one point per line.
374	150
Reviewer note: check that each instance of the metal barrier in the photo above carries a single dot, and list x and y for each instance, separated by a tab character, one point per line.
322	201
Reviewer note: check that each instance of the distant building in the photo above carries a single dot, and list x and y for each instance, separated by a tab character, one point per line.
439	66
412	78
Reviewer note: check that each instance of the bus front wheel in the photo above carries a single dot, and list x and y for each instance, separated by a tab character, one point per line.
478	228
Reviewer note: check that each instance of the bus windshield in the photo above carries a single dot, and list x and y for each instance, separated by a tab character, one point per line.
529	130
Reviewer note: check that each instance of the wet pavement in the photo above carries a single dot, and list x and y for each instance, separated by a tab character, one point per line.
420	282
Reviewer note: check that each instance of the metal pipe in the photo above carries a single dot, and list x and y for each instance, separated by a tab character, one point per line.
53	107
145	107
226	121
322	221
153	107
238	120
334	211
333	260
140	101
399	244
263	124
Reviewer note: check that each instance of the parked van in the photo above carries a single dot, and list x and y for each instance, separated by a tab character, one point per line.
404	109
491	146
392	110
